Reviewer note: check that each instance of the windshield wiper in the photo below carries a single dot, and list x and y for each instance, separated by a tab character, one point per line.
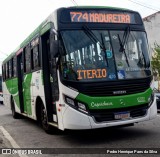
126	36
93	37
123	42
104	49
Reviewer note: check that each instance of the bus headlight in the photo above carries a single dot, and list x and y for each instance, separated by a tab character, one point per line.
70	101
75	104
151	99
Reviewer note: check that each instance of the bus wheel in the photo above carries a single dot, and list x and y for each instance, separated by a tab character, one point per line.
44	121
14	114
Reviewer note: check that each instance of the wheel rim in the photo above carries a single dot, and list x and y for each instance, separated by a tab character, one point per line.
44	118
13	109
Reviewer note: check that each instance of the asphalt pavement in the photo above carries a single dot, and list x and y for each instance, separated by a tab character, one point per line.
25	133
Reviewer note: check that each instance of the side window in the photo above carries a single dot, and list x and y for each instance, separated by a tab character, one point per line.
27	59
10	68
35	57
3	72
7	70
14	66
36	60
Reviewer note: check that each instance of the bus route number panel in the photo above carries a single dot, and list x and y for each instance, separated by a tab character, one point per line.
102	17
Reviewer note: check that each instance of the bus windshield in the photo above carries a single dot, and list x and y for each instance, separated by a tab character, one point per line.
94	55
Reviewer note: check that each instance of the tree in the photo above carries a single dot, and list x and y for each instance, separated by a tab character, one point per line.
156	63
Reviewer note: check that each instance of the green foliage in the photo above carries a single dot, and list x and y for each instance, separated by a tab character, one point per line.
156	61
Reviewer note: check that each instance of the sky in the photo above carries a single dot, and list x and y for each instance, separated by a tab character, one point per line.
20	17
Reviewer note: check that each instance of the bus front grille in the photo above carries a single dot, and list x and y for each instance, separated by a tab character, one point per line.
111	88
108	115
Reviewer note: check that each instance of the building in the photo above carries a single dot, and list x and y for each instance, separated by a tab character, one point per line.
152	26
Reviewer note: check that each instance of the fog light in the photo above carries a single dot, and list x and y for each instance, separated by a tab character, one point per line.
75	104
151	99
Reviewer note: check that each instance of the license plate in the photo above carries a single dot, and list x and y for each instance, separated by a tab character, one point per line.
122	115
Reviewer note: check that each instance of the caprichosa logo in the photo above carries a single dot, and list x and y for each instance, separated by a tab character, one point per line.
101	104
119	92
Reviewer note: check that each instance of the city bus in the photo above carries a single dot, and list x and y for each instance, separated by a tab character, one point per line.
83	67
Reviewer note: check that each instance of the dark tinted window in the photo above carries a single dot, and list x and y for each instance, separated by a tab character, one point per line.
10	68
7	70
27	59
36	61
14	66
3	72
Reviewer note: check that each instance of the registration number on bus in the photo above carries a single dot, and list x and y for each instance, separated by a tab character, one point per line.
122	115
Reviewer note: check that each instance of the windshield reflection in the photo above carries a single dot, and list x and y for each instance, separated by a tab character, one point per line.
86	60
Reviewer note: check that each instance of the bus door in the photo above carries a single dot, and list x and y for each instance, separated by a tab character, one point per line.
20	78
53	50
49	74
26	81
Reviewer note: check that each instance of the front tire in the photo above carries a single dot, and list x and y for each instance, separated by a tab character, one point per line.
14	113
44	120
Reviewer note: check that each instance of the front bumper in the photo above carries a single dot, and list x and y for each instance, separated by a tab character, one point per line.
73	119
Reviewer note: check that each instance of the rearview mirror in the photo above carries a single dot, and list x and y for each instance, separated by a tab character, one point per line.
54	44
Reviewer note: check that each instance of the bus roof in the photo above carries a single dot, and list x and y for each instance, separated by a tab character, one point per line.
47	23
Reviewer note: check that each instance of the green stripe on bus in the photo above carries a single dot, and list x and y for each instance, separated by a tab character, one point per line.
27	93
112	102
12	86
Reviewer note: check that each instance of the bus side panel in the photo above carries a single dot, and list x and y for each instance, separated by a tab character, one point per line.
37	90
27	93
15	94
6	95
10	88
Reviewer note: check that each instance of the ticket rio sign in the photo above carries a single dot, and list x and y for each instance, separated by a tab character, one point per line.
92	74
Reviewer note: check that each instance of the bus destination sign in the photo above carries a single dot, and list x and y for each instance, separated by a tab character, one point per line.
102	17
